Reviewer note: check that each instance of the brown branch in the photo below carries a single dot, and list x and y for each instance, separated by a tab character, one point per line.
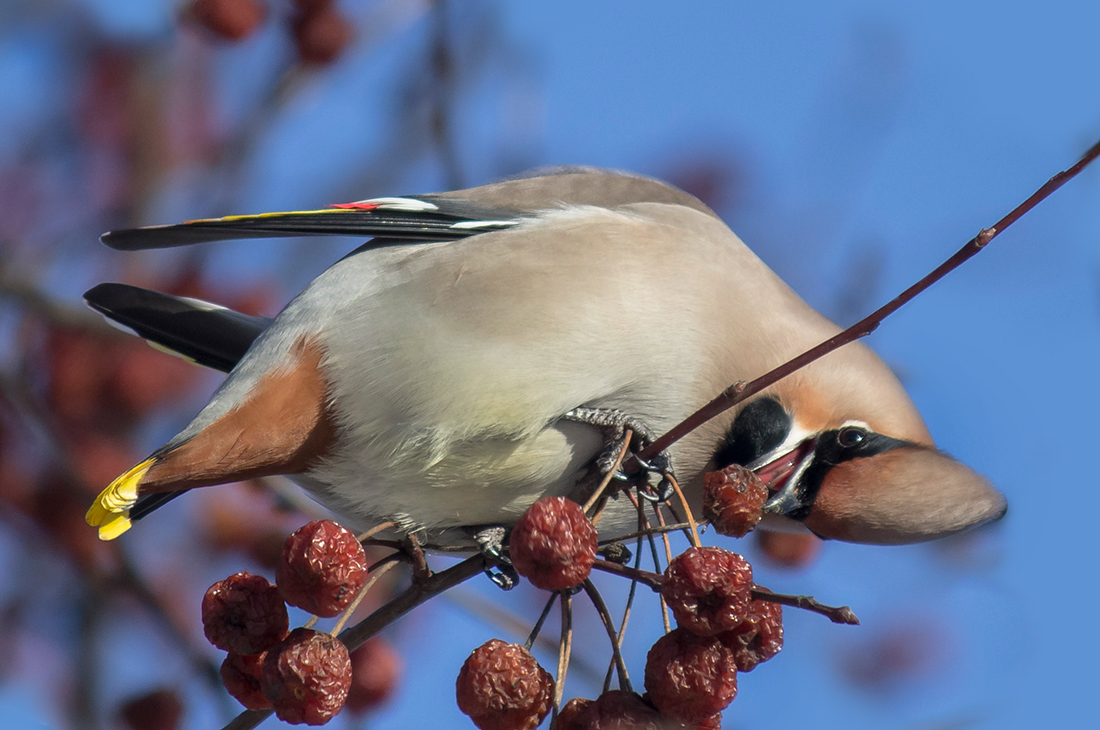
836	614
741	391
645	577
353	638
565	648
609	624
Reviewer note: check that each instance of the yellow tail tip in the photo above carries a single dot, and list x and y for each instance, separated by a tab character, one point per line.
111	510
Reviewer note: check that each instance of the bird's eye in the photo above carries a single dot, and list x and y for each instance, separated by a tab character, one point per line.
850	437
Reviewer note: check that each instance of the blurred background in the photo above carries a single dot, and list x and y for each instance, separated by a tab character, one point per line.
853	145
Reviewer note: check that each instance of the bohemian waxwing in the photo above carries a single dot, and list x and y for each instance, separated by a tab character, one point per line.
425	378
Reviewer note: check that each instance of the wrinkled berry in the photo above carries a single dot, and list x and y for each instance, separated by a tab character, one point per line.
322	569
375	671
758	638
690	677
573	714
244	614
230	19
241	678
321	35
733	500
708	589
553	544
502	687
307	677
620	710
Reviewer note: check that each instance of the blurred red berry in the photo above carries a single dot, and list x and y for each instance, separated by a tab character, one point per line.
789	550
244	614
708	589
502	687
553	544
321	35
733	500
233	20
618	710
375	671
241	678
690	677
307	677
160	709
323	568
758	638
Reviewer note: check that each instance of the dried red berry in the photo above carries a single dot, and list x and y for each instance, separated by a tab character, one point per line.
758	638
708	589
307	677
620	710
321	35
573	713
375	671
244	614
322	569
553	544
230	19
160	709
733	500
241	678
690	677
714	722
502	687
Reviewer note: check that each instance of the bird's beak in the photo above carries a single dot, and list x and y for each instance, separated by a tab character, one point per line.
782	471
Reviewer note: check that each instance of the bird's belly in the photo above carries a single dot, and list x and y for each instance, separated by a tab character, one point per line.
468	482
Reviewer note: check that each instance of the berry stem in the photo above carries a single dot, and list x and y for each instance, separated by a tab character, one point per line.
609	624
388	563
565	648
836	614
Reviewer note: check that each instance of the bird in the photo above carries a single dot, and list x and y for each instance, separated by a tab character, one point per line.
468	359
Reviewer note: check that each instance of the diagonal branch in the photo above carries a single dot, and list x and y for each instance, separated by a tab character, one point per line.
741	391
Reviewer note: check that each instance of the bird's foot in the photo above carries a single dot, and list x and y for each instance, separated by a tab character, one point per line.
490	542
615	424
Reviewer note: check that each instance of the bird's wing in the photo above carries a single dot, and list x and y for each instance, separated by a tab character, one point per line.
410	218
434	217
206	333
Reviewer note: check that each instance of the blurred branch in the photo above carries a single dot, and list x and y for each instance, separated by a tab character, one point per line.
443	93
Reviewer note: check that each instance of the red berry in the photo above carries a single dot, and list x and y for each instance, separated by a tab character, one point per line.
244	614
157	710
733	500
573	714
229	19
321	35
307	677
375	671
758	638
714	722
788	549
241	678
708	589
502	687
619	710
323	568
553	544
690	677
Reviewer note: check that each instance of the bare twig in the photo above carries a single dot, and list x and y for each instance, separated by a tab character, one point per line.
836	614
596	495
741	391
538	624
378	573
565	648
690	518
609	624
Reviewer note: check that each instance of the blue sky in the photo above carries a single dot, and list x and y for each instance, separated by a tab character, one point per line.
900	128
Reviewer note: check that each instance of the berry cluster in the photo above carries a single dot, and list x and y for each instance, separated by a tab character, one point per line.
320	32
306	676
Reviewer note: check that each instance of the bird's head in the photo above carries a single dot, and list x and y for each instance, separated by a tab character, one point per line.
845	454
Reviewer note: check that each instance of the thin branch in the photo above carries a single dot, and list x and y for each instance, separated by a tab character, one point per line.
596	495
741	391
676	527
538	624
378	573
645	577
694	536
565	648
609	624
836	614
